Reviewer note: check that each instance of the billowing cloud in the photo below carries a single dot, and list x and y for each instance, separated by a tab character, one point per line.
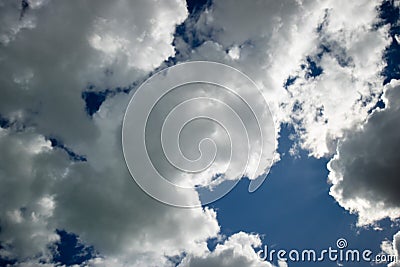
29	169
14	18
44	69
364	172
236	251
319	69
101	203
391	250
73	45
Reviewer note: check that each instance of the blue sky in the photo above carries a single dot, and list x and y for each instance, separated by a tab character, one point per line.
293	209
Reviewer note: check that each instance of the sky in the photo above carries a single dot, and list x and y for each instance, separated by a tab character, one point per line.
320	77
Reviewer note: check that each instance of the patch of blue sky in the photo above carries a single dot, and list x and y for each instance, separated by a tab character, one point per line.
71	251
293	209
72	155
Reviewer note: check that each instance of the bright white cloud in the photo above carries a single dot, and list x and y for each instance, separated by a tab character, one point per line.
296	39
236	251
392	249
342	95
276	38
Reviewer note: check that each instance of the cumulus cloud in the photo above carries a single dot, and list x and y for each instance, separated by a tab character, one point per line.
236	251
73	44
364	172
225	131
14	18
278	41
100	202
29	168
44	69
324	107
392	248
254	44
320	70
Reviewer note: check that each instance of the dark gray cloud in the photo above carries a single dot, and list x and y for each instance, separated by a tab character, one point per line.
366	171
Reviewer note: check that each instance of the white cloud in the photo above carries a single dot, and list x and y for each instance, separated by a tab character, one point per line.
236	122
350	83
392	249
44	70
29	169
273	45
101	203
234	52
275	39
143	38
236	251
53	61
364	172
13	19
